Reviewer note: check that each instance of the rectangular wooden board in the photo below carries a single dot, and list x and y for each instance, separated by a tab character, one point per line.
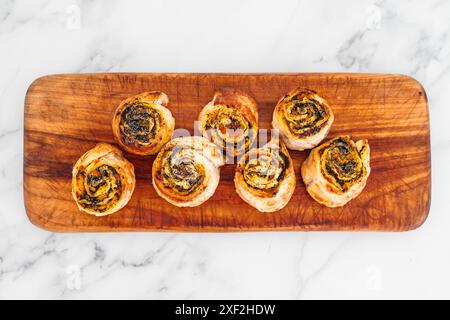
65	115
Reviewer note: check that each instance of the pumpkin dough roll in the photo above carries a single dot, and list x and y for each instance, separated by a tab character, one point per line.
186	171
336	172
102	180
265	177
230	120
142	124
303	119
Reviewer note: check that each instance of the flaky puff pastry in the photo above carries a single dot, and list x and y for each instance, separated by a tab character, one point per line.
102	180
142	124
336	172
303	119
186	171
265	177
230	120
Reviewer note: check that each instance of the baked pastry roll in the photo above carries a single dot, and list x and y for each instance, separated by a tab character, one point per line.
303	119
142	124
265	177
230	120
337	171
102	180
186	171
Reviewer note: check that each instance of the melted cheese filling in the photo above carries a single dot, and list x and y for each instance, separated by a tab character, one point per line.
228	127
140	122
341	163
303	114
266	170
181	172
98	187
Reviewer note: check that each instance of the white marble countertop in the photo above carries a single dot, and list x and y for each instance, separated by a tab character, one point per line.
43	37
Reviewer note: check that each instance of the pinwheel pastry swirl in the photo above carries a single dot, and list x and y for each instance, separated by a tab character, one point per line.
102	180
230	120
142	124
265	177
186	171
337	171
303	119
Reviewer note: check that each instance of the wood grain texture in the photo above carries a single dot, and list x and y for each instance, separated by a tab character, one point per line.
65	115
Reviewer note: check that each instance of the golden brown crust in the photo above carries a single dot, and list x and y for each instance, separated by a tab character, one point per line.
336	172
230	120
102	180
265	177
303	119
240	100
186	171
142	124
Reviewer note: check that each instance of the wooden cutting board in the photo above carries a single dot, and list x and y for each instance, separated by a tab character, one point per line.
65	115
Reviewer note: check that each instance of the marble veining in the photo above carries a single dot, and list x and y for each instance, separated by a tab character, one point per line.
48	36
